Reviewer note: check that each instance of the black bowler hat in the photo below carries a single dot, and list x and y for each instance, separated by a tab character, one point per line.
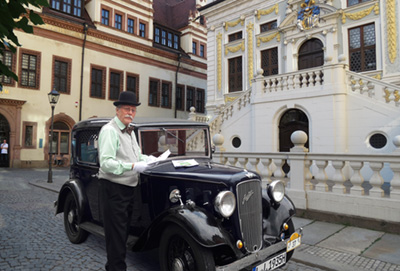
127	98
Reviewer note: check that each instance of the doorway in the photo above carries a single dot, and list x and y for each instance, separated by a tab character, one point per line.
5	135
292	120
60	144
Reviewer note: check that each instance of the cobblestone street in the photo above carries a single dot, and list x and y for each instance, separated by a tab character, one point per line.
33	238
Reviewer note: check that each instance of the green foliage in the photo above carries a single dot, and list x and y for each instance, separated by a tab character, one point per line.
15	15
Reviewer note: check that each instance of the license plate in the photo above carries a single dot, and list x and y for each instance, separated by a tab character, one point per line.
294	241
272	264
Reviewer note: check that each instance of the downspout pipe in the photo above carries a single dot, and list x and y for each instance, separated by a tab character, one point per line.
176	83
85	29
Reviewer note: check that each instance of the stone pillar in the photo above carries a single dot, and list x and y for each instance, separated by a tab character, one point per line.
298	171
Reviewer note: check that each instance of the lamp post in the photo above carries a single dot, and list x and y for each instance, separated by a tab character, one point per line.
53	99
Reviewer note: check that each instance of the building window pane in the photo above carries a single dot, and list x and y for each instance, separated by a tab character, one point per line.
235	36
268	26
153	93
200	100
118	21
164	37
115	85
6	59
157	35
96	89
269	61
201	50
165	95
189	98
28	136
131	26
235	74
362	48
194	47
176	42
105	16
28	71
179	98
170	40
142	30
61	76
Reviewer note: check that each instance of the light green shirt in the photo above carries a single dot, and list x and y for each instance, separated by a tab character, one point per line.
109	144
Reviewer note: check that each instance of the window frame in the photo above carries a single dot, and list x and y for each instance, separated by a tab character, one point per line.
362	48
168	96
133	26
190	99
156	93
269	68
117	23
34	134
72	6
182	100
235	36
38	55
119	86
143	34
136	91
269	25
103	81
11	68
238	84
199	103
103	8
68	75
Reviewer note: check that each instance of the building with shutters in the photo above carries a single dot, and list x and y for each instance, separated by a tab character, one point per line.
90	51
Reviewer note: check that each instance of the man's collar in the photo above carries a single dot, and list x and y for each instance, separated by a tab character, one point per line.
119	123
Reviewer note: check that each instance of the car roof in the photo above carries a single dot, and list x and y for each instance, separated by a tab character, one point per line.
140	122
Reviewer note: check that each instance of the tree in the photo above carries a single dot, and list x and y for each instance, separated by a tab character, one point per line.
14	14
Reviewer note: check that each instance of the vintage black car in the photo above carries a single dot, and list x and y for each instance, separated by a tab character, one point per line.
200	214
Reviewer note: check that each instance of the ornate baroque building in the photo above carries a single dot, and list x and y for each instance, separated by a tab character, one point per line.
90	51
329	68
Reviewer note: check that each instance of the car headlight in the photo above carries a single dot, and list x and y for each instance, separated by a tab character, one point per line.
276	190
225	203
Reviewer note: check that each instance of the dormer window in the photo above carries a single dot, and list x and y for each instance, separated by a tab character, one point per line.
72	7
166	37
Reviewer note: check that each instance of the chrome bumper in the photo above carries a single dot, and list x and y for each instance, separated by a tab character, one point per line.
258	257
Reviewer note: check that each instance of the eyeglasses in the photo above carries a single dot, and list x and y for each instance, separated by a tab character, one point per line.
128	109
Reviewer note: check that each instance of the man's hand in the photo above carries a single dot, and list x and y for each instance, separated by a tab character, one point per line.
140	166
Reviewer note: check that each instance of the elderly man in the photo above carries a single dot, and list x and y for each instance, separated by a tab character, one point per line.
121	162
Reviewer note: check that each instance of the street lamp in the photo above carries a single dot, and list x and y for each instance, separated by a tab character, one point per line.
53	99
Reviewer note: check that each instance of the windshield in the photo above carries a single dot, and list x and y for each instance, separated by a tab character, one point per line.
180	141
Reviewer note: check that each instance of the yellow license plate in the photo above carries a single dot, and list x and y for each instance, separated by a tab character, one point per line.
294	241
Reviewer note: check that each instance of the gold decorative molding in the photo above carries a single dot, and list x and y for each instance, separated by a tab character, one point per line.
262	12
230	99
268	38
250	28
234	49
234	23
360	14
391	29
219	61
395	94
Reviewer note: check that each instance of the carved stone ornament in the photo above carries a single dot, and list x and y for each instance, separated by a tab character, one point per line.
308	16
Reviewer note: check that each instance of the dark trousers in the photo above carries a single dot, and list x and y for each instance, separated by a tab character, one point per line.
117	212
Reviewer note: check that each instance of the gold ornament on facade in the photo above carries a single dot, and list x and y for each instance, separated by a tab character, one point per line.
395	94
219	61
230	99
391	29
268	38
234	23
234	49
263	12
361	14
250	28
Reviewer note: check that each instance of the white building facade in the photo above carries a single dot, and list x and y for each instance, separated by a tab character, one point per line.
329	68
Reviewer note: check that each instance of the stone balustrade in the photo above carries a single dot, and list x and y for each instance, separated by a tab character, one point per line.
346	184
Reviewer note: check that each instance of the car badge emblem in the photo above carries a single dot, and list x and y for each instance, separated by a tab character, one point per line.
247	196
250	175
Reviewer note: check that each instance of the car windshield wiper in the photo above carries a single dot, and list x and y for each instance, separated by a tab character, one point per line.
168	132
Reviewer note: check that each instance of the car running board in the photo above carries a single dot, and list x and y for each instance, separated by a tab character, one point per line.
99	231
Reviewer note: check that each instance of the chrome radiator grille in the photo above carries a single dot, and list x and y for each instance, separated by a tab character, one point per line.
250	214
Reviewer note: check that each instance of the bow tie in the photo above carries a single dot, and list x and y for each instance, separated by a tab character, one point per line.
128	130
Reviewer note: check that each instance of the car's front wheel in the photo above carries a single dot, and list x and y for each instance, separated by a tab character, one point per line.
179	252
75	233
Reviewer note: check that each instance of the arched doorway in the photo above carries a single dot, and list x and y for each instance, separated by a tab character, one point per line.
292	120
60	144
5	135
311	54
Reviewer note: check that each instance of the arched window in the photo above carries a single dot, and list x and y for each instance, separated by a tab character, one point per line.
311	54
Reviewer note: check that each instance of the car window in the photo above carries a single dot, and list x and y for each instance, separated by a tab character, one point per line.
180	141
86	146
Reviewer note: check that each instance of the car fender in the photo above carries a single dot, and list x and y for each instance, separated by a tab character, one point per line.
276	214
75	187
198	223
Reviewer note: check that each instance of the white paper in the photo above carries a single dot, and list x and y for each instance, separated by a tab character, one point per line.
185	163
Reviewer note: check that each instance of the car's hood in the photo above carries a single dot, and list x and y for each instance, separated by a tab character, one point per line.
205	171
